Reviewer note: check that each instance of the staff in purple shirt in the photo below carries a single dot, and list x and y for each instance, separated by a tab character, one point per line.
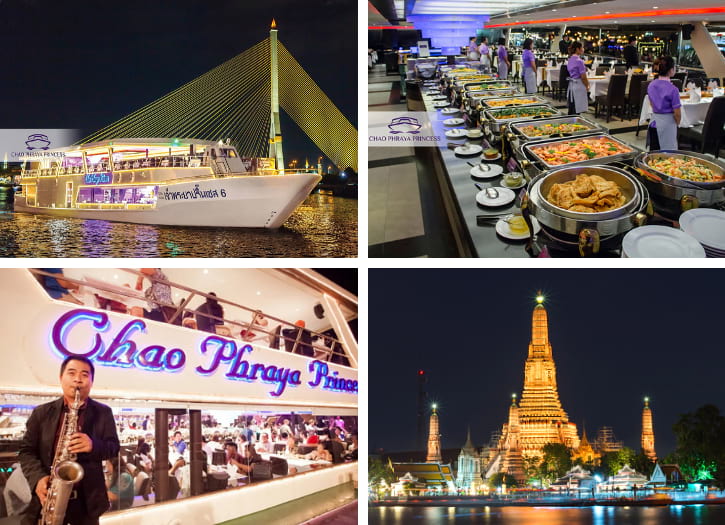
665	100
485	55
529	66
473	49
576	93
503	59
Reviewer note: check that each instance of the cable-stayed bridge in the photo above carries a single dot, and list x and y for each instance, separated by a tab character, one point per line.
240	100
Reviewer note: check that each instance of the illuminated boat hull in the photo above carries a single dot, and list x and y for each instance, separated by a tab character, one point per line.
251	201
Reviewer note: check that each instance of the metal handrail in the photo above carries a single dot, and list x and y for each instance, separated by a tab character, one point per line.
181	308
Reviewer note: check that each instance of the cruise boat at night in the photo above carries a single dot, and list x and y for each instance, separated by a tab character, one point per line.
282	353
176	182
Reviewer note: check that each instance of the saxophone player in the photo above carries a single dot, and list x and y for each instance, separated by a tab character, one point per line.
94	441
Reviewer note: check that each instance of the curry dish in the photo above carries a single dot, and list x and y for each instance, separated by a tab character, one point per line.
587	194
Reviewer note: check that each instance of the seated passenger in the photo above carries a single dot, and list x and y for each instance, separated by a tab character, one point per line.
249	461
119	484
234	457
320	454
265	445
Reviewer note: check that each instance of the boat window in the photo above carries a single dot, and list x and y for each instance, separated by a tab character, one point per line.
213	153
230	153
280	456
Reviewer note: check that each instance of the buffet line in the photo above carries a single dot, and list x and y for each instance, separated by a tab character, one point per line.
522	178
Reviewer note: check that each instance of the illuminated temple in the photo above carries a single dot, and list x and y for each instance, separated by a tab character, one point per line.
538	418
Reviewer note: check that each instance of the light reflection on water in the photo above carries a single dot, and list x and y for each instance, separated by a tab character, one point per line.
323	226
597	515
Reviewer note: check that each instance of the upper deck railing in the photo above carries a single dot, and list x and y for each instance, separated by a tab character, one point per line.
297	340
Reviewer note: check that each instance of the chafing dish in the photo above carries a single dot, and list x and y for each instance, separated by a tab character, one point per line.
495	118
586	230
466	79
485	86
532	164
473	98
674	195
519	136
509	102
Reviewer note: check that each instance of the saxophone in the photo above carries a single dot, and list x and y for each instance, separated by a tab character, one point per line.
65	472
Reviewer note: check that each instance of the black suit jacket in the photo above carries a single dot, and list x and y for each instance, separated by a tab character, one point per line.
36	452
631	56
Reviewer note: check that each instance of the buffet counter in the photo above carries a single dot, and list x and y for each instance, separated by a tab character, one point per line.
453	173
595	218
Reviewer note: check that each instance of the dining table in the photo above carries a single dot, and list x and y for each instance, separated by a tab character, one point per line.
692	113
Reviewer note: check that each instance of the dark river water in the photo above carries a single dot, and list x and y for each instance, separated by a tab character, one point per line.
671	515
323	226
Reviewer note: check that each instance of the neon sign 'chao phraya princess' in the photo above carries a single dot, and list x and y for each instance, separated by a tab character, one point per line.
539	417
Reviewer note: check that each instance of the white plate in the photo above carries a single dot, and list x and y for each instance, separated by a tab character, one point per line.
705	225
504	230
474	133
660	241
478	173
457	133
453	121
442	104
439	97
468	149
498	156
505	196
450	111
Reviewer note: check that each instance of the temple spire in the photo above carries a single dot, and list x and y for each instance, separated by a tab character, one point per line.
648	435
434	439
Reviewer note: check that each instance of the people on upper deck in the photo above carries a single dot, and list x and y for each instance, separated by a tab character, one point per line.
158	295
207	312
57	287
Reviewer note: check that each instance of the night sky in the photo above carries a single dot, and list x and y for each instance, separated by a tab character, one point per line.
83	64
617	335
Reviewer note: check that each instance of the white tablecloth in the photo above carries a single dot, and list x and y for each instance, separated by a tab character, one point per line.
552	75
693	113
301	464
597	87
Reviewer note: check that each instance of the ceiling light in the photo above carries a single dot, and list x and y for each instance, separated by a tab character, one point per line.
206	271
606	12
259	293
115	276
553	10
651	20
655	7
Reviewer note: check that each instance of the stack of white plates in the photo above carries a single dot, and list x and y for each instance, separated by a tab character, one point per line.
708	227
660	241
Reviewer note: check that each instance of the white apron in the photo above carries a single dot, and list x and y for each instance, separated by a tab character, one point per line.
529	80
666	130
577	93
503	70
473	55
485	63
